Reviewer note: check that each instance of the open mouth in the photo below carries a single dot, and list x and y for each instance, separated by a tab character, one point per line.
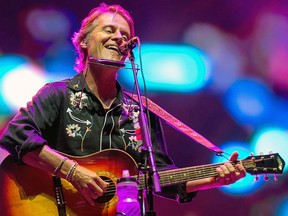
114	48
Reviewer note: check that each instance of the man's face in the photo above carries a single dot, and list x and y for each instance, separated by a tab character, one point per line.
111	30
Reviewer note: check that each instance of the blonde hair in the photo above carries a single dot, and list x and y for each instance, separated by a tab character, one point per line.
87	26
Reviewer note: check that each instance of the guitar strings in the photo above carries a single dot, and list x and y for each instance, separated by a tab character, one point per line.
182	175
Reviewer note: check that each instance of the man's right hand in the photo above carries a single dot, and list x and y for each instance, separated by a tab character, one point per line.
89	184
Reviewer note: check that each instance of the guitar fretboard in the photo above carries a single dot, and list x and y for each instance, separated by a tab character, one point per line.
175	176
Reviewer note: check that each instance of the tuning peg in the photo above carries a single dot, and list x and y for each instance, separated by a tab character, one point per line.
261	154
256	178
275	177
266	178
252	156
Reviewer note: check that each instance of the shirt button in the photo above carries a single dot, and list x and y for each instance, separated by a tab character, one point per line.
105	133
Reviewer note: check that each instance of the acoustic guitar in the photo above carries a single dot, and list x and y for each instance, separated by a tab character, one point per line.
28	191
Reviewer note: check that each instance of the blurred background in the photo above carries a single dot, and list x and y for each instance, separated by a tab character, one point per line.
220	66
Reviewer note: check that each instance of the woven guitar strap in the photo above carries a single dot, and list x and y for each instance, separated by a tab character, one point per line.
175	123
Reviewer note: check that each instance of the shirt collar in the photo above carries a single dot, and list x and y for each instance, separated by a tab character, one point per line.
77	83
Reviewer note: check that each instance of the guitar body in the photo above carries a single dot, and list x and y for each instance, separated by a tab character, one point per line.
29	191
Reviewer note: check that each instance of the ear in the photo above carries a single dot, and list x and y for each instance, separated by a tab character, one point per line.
83	44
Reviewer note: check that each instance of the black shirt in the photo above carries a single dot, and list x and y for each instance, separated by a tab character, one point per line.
69	118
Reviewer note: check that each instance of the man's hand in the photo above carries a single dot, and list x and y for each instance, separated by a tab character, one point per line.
228	174
89	184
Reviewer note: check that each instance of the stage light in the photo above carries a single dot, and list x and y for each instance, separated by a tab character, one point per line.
249	101
59	63
170	68
19	81
283	207
223	50
40	20
8	62
279	116
246	185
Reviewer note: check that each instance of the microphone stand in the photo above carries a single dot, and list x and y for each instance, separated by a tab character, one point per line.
153	176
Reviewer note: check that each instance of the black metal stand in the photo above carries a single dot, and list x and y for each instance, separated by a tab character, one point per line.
153	176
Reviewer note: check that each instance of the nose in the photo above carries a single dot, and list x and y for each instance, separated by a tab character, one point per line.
118	37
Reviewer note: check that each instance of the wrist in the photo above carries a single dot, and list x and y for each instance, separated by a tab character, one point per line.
72	171
202	184
67	169
58	168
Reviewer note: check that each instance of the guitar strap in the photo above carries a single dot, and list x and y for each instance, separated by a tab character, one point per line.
175	123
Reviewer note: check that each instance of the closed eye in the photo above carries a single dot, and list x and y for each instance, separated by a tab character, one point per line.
108	29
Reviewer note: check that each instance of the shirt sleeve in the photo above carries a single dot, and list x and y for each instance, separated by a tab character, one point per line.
24	132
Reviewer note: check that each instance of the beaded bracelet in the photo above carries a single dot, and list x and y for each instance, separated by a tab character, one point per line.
71	173
60	165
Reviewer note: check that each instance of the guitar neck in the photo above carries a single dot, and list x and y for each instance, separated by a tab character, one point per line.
263	164
175	176
170	177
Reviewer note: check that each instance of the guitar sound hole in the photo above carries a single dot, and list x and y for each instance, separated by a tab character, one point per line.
109	193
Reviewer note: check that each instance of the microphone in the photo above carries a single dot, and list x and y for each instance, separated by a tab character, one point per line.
128	45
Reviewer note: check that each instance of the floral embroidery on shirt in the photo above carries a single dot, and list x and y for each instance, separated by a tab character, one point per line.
88	129
73	130
131	111
78	100
134	143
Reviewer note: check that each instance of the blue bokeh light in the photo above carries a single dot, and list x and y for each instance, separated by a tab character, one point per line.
283	207
170	68
271	139
8	62
250	102
246	185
